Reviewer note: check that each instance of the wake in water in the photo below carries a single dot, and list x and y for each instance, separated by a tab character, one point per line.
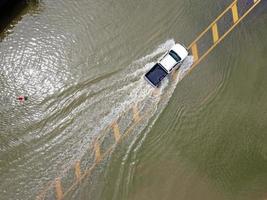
113	97
166	90
111	100
131	88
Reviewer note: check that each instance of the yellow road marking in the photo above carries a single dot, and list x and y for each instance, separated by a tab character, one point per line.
156	92
235	13
58	188
136	116
78	171
97	152
215	33
215	21
174	75
194	51
98	157
223	36
116	131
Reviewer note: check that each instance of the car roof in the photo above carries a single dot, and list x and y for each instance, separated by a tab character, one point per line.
168	62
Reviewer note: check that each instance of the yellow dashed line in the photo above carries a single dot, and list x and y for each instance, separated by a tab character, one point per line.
136	116
58	189
235	13
215	33
78	171
195	52
116	131
56	183
97	152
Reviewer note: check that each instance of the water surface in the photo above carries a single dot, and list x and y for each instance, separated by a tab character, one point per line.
81	65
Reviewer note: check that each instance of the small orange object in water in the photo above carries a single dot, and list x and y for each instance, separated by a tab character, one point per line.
22	98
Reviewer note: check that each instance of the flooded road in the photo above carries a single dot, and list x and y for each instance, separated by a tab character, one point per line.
81	65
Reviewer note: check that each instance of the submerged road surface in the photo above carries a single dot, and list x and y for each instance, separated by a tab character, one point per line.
80	63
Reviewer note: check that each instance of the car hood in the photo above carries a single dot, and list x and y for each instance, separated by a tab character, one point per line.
180	50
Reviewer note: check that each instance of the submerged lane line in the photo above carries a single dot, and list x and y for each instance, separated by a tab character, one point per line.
223	36
137	118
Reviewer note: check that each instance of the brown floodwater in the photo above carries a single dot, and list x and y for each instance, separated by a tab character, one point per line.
81	65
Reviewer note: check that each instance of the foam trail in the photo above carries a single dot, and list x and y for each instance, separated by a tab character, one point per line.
186	66
116	95
139	90
128	89
137	142
125	94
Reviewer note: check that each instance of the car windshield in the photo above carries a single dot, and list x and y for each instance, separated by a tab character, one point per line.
175	56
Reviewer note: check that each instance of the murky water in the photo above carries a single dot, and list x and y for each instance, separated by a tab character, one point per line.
81	65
